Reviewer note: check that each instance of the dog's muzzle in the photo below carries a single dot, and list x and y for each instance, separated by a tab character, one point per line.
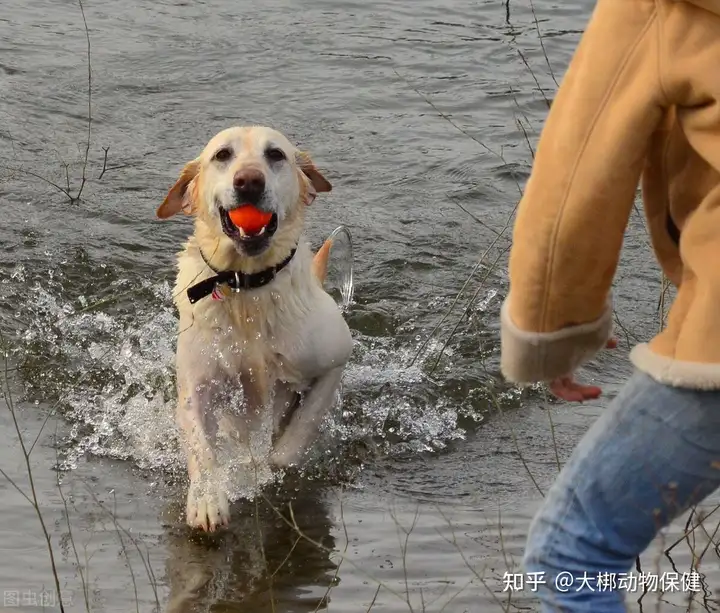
252	244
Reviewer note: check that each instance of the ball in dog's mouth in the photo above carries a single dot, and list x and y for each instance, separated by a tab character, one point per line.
249	226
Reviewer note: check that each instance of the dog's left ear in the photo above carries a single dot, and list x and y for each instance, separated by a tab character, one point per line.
178	198
317	181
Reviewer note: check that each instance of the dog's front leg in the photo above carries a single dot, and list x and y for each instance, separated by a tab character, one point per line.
304	424
207	503
319	351
285	401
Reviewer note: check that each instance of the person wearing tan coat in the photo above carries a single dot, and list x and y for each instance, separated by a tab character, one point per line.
639	104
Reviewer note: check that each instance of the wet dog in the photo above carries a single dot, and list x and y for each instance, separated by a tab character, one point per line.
253	311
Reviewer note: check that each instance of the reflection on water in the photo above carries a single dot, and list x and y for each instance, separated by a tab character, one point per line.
274	557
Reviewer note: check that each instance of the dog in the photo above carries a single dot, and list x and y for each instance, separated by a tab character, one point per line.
253	313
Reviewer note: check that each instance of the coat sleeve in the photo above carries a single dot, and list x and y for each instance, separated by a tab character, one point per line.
571	220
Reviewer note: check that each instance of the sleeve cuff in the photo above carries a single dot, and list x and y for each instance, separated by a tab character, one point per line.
532	357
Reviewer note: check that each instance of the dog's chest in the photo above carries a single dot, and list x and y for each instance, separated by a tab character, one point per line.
254	333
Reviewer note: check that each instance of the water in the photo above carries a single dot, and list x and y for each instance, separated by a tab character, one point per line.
418	114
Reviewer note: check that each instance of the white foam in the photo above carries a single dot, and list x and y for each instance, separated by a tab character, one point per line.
114	374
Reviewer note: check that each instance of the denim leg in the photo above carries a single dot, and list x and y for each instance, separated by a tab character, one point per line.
652	454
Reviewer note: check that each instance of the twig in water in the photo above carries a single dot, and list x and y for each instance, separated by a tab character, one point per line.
30	173
89	104
711	541
292	523
145	559
287	557
498	406
479	263
552	431
67	176
83	582
470	567
498	234
665	288
403	550
471	301
261	536
542	43
66	191
623	327
453	199
124	551
527	138
534	76
104	167
445	116
372	602
33	498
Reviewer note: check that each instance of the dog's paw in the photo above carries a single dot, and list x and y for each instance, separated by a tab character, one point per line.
207	507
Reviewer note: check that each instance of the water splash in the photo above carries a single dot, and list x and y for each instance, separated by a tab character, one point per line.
394	404
111	371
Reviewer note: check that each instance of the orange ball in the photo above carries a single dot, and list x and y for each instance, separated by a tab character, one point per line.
250	219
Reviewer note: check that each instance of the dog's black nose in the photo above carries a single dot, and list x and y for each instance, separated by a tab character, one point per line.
249	185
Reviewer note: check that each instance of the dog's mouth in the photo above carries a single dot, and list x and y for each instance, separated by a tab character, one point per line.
252	240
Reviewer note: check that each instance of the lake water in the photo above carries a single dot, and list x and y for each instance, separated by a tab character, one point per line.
423	115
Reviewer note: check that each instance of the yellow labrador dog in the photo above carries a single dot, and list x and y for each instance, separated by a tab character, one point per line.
253	311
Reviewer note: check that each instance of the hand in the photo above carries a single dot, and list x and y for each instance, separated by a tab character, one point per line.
566	388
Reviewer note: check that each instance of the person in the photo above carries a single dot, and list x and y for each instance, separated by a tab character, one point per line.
639	103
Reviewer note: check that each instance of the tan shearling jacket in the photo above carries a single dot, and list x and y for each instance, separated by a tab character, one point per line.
640	99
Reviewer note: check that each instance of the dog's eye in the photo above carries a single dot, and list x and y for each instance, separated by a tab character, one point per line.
275	155
223	155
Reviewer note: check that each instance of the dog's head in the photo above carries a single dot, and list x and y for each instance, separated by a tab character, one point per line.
243	166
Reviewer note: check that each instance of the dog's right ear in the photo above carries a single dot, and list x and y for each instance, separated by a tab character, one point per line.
179	198
308	168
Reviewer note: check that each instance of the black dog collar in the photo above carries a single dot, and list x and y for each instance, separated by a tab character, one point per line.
236	280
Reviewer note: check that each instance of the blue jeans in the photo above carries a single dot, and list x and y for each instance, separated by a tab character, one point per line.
653	453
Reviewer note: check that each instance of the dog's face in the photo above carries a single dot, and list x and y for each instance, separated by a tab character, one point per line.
243	166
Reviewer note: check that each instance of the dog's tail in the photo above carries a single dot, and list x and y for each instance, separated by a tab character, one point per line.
320	261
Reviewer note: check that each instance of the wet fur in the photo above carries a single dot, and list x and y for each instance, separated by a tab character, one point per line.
276	342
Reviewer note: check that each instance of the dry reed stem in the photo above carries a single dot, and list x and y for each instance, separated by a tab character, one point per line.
89	103
292	523
120	529
33	497
78	566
